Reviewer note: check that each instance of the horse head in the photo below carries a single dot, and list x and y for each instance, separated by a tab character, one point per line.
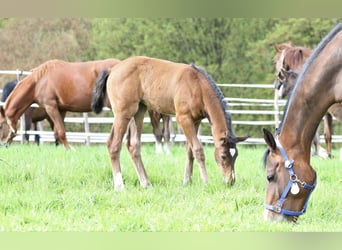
7	131
225	157
290	182
285	82
288	59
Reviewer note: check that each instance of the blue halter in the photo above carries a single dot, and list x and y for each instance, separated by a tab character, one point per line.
293	179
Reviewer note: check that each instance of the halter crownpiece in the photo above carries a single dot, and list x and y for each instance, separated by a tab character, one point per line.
292	186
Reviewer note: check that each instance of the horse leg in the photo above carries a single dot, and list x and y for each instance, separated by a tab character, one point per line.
189	165
36	137
194	148
134	145
59	129
154	116
28	121
166	133
315	142
328	132
114	145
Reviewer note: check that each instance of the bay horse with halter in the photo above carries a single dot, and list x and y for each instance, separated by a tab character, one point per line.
289	61
290	177
32	115
58	87
141	83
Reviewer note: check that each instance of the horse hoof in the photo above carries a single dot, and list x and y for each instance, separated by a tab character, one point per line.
119	188
146	185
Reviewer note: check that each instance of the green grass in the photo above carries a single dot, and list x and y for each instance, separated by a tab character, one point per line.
49	189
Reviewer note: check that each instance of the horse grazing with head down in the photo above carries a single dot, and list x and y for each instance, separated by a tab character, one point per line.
290	177
141	83
32	115
289	61
58	87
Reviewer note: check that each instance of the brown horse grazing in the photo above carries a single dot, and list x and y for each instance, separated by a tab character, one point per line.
57	86
32	115
290	177
163	133
289	61
141	83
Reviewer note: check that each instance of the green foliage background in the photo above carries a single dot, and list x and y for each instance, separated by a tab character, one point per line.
233	50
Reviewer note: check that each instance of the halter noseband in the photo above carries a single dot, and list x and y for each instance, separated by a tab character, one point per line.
293	179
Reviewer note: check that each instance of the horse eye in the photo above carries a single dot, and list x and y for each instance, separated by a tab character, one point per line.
270	178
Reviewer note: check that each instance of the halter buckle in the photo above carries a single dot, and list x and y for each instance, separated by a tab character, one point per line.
289	163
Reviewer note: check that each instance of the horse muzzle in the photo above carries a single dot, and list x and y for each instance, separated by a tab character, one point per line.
230	179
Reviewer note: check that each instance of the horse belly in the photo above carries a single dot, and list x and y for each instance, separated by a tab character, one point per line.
160	104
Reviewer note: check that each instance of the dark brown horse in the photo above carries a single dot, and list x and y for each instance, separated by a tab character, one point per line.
141	83
58	87
32	115
290	177
289	61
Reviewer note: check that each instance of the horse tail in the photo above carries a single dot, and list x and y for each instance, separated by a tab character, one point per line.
99	93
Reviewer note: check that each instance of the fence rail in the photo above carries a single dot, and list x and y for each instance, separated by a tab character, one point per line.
235	108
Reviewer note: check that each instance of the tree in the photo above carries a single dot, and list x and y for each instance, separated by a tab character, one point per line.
27	43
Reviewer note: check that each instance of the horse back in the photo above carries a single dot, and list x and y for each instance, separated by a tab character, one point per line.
160	84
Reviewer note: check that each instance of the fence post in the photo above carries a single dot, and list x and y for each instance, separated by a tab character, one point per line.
86	128
276	108
22	128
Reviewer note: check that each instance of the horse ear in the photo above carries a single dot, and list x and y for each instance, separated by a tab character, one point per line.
241	138
269	139
278	47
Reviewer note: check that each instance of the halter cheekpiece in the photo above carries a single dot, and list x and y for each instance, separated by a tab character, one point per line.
292	181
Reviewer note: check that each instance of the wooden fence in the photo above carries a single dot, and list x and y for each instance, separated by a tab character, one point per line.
270	108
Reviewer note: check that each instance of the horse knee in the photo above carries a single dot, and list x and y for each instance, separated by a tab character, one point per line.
134	149
60	135
113	150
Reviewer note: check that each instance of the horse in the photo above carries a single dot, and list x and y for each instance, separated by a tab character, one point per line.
141	83
289	61
163	133
57	86
32	115
290	176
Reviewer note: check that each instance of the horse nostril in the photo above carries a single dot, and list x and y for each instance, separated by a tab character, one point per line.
270	178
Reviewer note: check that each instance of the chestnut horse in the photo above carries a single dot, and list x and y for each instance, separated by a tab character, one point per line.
186	91
58	87
290	177
32	115
289	61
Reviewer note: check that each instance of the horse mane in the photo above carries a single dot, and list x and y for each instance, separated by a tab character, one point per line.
319	48
220	97
8	88
295	56
44	68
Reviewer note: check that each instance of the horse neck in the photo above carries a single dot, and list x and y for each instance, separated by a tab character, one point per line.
216	115
304	113
20	99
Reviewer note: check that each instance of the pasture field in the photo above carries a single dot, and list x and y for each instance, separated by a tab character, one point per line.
47	188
